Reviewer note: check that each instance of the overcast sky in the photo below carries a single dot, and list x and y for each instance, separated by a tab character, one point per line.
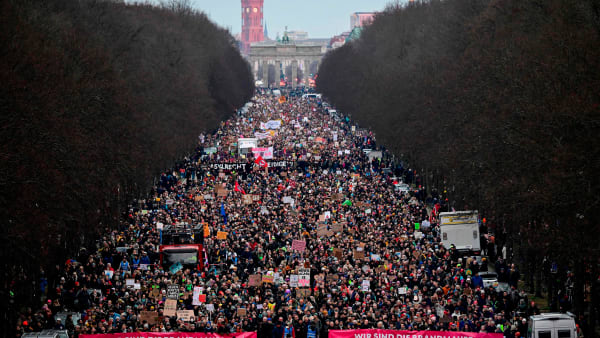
320	18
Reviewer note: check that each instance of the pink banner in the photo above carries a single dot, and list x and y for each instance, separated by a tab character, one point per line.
170	335
408	334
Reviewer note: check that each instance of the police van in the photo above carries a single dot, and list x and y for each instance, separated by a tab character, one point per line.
552	325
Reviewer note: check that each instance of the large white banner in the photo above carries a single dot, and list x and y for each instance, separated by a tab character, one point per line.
247	142
266	153
272	124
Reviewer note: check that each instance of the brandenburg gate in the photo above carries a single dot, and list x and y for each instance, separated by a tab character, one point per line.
284	55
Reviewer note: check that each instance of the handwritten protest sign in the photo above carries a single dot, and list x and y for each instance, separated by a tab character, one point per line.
337	253
298	245
221	235
173	292
170	307
254	280
303	293
337	227
303	277
151	317
294	281
358	254
268	278
186	315
365	286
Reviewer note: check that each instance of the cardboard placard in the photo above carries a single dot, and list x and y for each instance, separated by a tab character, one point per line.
337	227
303	293
338	253
186	315
170	308
332	277
247	199
255	280
151	317
322	231
358	254
241	312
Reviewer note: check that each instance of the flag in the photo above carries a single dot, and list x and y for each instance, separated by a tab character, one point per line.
238	189
261	162
223	213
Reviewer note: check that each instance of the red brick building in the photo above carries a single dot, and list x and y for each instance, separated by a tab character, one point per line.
252	24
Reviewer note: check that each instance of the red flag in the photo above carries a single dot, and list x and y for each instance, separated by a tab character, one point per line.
238	189
261	162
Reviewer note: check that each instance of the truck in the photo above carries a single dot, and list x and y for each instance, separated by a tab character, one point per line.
461	230
552	325
182	245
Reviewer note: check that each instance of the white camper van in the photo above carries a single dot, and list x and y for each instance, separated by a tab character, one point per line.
461	229
552	325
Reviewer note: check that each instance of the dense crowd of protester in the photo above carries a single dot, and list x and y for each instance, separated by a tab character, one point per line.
374	271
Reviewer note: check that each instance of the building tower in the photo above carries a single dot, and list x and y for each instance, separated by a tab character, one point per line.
252	23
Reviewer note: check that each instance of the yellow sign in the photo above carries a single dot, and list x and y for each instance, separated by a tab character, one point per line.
221	235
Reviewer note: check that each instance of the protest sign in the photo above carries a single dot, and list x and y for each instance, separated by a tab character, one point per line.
303	277
186	315
294	281
337	227
332	277
170	307
221	235
254	280
266	278
196	296
298	245
175	268
303	293
365	286
173	292
151	317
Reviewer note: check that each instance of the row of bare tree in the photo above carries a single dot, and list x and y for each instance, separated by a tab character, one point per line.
97	97
496	104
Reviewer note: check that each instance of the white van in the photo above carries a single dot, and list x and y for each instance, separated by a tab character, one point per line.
552	325
311	96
